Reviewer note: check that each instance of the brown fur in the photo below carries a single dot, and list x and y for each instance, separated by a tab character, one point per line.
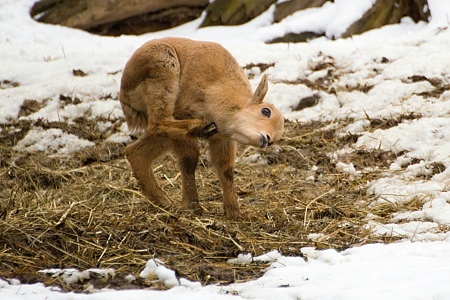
177	90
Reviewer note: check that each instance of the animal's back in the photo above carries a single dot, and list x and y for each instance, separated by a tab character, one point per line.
184	78
211	80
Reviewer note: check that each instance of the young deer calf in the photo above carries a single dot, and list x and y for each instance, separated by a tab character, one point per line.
175	91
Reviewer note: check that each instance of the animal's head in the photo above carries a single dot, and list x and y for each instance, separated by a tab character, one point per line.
258	124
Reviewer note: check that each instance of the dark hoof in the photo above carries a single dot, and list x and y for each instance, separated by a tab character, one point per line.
209	130
204	131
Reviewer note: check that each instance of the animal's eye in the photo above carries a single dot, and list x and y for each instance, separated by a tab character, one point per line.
265	111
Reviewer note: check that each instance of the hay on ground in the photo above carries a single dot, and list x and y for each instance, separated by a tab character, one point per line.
86	211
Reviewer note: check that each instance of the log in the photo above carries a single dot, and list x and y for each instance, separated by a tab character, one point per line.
115	17
150	22
284	9
87	14
385	12
234	12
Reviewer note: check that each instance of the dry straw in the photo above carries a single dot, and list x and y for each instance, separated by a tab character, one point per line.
86	211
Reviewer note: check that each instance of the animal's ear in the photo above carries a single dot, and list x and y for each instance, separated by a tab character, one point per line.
260	91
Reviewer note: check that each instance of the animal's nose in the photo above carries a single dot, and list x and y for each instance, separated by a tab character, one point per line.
265	140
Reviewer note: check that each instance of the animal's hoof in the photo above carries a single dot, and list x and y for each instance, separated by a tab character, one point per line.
163	203
204	130
194	208
209	130
233	215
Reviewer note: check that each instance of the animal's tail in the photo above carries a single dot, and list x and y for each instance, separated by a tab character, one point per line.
136	120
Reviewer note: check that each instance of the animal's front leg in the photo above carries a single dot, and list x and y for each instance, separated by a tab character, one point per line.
223	154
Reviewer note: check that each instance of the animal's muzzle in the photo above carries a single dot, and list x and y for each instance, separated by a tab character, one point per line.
265	140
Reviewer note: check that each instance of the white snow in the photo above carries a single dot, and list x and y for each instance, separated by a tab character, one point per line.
41	58
52	140
73	275
155	268
332	19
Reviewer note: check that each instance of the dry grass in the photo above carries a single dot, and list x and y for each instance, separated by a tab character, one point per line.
86	211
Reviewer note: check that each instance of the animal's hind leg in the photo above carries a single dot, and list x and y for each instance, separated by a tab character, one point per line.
223	154
187	153
141	155
183	129
149	92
